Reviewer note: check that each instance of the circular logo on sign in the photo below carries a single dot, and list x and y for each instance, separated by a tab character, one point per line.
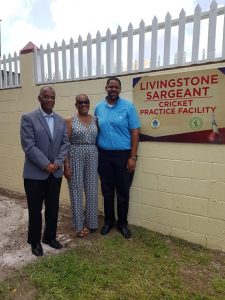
155	123
196	123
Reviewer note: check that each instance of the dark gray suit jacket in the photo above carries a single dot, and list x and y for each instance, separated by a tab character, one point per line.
40	147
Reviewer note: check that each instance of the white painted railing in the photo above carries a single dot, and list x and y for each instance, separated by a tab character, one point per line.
10	71
194	39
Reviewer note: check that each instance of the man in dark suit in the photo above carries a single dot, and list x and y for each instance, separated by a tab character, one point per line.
45	142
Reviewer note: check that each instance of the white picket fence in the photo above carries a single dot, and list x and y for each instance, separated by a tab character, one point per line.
10	71
194	39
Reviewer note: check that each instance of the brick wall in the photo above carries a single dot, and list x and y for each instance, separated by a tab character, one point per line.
178	188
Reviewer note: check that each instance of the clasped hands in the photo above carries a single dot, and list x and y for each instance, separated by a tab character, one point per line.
51	168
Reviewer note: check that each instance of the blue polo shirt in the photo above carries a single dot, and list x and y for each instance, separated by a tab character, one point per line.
115	123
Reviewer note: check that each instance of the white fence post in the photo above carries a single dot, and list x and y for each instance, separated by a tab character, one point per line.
119	51
167	40
109	53
64	60
212	31
130	49
10	81
181	36
141	45
72	60
98	54
56	60
223	43
89	55
42	64
49	63
5	79
80	56
154	43
16	81
196	34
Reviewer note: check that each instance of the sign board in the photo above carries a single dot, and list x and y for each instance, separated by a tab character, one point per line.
182	107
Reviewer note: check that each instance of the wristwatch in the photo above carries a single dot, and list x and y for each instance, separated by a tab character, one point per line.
134	157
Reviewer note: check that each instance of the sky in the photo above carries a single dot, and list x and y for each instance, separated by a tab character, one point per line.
47	21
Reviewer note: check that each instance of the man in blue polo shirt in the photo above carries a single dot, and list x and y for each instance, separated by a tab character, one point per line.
118	143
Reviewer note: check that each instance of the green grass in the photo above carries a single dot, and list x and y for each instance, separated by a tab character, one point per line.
150	266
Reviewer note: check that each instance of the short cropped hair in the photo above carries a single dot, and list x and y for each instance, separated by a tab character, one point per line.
113	78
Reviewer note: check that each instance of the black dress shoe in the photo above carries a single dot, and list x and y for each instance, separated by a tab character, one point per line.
125	231
37	249
53	243
106	229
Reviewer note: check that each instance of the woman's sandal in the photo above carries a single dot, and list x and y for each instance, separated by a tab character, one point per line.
81	233
86	231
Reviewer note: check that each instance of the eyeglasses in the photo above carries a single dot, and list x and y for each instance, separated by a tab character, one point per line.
80	102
